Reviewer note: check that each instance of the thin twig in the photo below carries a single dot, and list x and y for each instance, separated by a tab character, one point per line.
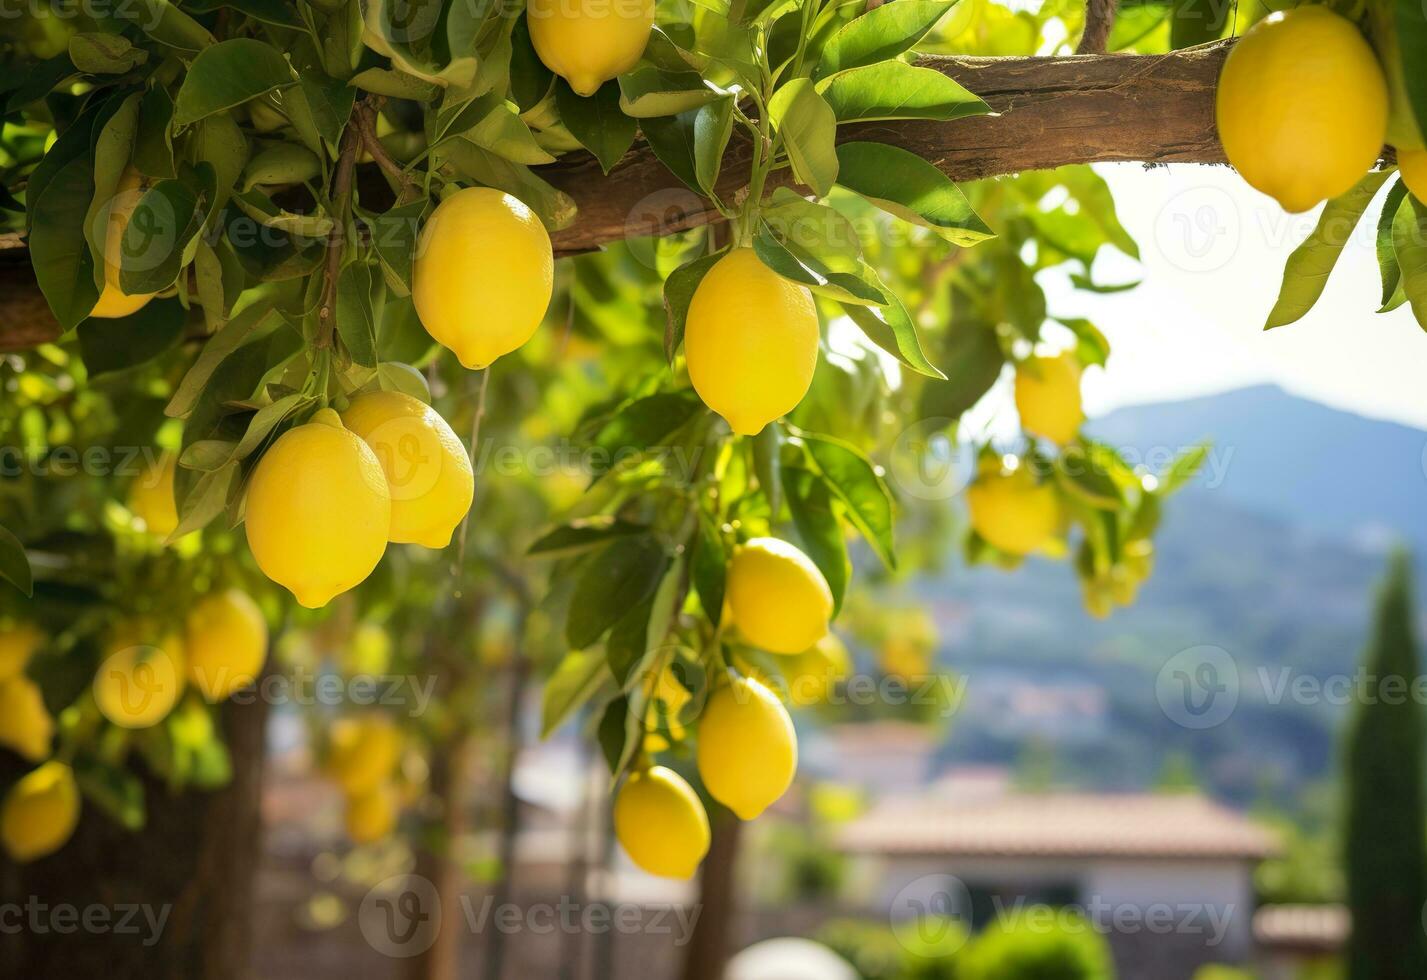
1099	21
366	124
462	534
341	200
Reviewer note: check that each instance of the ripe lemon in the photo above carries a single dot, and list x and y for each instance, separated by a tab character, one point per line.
141	676
18	643
751	341
1302	106
1048	397
371	815
780	600
1412	165
748	752
318	510
483	274
427	469
813	675
661	824
362	752
588	42
151	496
113	301
1012	511
227	643
25	722
40	812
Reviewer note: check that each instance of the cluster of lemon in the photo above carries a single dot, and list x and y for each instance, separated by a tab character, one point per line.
1305	105
144	671
363	754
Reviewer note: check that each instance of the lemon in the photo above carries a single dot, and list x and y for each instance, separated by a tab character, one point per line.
318	510
748	752
813	675
368	651
25	723
141	676
40	812
18	643
588	42
151	496
780	600
1302	106
362	752
751	341
427	469
113	301
661	824
1013	511
371	815
227	643
1048	397
1412	164
483	274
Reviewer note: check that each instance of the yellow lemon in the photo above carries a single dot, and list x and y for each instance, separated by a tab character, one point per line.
113	301
371	815
751	341
748	752
661	824
318	510
1302	106
151	496
40	812
427	469
1412	165
141	676
1048	397
18	643
780	600
588	42
362	752
25	722
813	675
227	643
368	651
483	274
1012	511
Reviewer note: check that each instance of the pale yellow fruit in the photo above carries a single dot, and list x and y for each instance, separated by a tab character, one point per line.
661	824
113	301
427	469
25	722
748	751
1302	106
151	496
1012	511
141	676
368	651
318	510
227	643
1048	397
751	341
362	752
371	815
18	643
588	42
40	812
483	274
1412	165
813	675
780	600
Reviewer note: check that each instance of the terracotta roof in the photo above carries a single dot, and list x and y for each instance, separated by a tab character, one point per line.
1128	825
1301	928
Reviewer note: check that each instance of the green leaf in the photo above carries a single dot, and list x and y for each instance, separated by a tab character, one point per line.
582	535
1392	210
673	140
105	54
897	90
207	498
574	682
1306	273
638	632
973	360
1087	472
118	344
229	74
504	133
1184	468
153	145
164	221
642	425
1411	24
713	126
859	485
265	420
902	183
597	122
709	568
63	264
14	563
281	163
648	91
114	790
405	379
529	78
354	313
394	237
678	294
614	581
791	262
810	503
555	208
233	335
276	12
395	84
808	127
882	33
1410	240
165	23
892	329
1194	22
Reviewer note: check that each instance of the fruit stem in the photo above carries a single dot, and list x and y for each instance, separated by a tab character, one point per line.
341	203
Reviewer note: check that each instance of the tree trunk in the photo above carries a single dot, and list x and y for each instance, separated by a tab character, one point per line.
173	901
449	776
509	815
708	949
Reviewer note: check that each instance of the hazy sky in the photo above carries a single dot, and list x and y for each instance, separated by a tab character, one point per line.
1212	255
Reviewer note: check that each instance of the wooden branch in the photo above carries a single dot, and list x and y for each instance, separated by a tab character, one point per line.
1099	22
1052	112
